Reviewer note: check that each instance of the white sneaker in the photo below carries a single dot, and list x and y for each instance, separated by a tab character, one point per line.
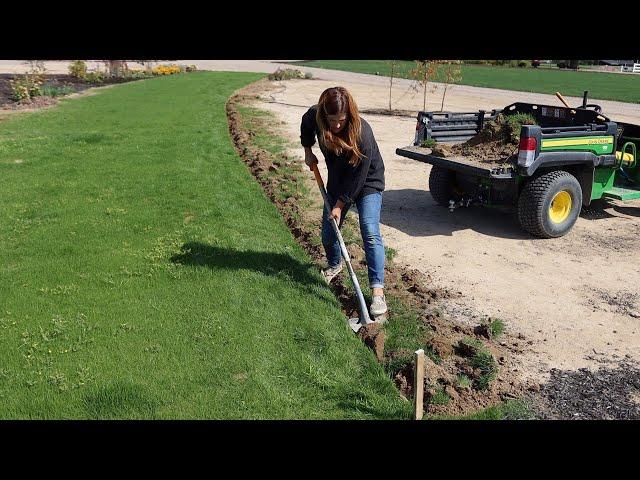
331	273
378	305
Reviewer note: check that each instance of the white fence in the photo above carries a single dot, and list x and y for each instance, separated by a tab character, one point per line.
628	68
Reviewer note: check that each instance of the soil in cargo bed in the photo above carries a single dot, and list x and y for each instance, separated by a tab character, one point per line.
496	144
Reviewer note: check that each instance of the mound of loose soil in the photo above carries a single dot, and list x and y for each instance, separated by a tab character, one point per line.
409	286
496	143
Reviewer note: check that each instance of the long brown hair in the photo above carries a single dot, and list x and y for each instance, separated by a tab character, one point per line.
338	101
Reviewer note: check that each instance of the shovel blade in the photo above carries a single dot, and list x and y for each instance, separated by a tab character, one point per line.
355	324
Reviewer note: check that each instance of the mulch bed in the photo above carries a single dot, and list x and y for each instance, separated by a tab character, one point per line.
7	103
610	393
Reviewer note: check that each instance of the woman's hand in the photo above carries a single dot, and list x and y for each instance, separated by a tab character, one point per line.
309	157
336	213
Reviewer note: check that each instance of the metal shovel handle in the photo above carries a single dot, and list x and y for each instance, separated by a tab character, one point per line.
364	313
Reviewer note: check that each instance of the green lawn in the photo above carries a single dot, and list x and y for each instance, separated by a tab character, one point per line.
144	274
602	86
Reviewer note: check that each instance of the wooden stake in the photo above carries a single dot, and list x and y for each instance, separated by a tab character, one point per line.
418	384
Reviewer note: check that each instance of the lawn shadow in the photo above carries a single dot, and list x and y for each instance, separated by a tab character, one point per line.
267	263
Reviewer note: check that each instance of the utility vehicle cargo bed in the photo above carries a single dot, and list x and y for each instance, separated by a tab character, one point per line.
460	164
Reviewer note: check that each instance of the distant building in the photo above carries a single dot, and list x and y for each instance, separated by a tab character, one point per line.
617	63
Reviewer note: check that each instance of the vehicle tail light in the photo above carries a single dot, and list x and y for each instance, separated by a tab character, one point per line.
527	151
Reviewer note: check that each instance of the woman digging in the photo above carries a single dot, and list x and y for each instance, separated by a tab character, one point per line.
355	176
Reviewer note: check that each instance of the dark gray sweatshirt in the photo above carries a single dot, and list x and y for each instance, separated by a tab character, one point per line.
346	182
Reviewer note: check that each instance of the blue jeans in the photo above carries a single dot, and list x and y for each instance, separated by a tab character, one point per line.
369	217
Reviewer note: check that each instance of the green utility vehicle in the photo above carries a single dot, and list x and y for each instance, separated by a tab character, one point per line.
571	157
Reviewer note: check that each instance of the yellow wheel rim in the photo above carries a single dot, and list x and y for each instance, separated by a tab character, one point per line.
560	207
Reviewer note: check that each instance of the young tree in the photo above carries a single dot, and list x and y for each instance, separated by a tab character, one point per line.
450	73
393	67
116	68
421	74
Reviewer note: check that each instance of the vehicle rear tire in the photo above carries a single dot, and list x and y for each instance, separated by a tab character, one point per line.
549	205
442	185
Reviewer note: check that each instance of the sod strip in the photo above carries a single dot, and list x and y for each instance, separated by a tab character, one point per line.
144	274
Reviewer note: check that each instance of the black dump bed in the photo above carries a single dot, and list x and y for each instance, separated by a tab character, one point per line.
458	127
460	164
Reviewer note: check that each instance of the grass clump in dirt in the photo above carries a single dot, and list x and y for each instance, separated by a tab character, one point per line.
496	327
504	129
390	253
490	329
507	410
440	397
408	332
463	381
485	368
430	143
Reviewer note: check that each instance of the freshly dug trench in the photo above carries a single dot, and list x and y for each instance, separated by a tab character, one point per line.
407	286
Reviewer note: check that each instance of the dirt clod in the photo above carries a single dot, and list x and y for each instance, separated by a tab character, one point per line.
483	330
451	392
442	347
442	150
466	349
373	337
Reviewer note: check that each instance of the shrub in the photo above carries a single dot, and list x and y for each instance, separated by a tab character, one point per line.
308	75
430	143
25	87
78	69
524	64
94	77
191	68
52	91
165	70
137	73
285	74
